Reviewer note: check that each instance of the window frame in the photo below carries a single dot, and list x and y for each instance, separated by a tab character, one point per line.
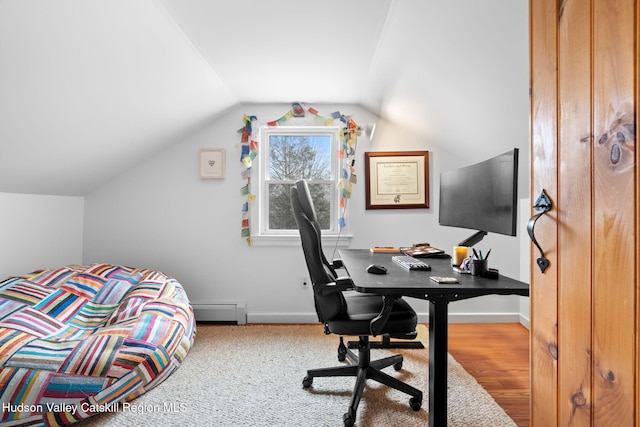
262	211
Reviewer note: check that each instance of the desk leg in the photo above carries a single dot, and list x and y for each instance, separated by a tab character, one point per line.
438	366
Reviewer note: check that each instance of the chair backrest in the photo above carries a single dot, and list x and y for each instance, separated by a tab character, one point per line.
307	207
306	202
328	304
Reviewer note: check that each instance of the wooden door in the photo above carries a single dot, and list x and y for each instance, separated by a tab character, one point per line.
584	307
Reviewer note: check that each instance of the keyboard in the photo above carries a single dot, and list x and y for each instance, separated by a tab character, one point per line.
410	263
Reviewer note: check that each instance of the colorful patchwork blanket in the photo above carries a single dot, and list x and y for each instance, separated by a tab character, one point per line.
79	340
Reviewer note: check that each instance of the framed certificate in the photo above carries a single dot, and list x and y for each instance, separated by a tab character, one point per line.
397	180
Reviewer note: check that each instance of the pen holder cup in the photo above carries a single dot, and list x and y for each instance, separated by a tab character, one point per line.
478	267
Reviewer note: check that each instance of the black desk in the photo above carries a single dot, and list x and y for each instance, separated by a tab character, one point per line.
417	284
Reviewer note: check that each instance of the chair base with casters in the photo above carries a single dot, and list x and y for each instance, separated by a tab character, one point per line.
394	314
364	370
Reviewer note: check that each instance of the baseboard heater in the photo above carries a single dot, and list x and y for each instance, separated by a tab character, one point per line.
221	312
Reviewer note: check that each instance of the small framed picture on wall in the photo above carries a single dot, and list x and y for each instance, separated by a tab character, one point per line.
211	163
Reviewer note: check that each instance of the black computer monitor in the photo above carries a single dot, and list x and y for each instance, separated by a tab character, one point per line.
482	197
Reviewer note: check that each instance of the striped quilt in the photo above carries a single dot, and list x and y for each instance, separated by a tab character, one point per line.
80	340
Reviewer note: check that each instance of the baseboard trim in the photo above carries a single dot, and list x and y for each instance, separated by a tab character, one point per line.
221	312
525	321
422	318
282	318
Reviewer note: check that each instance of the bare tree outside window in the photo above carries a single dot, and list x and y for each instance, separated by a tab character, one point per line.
293	157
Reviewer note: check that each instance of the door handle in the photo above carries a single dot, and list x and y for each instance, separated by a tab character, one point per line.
542	205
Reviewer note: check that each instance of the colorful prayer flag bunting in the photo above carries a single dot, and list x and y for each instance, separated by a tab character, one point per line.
249	151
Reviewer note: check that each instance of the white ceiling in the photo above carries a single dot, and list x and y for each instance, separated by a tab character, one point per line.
284	50
88	88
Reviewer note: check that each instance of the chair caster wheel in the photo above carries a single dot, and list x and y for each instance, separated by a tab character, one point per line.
307	381
348	420
397	366
415	404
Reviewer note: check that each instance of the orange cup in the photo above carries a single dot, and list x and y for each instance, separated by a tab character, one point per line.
459	254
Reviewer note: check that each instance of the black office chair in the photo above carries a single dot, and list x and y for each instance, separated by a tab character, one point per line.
352	316
306	204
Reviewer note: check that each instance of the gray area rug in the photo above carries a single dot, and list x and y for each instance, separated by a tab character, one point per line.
252	376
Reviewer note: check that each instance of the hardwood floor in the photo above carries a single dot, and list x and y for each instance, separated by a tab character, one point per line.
497	355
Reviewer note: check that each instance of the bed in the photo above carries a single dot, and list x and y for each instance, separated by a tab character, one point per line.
80	340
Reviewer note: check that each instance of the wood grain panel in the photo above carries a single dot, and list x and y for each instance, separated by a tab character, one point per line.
543	39
637	231
574	214
592	285
614	204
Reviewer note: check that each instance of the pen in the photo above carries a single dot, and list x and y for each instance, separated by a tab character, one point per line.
481	255
488	252
475	253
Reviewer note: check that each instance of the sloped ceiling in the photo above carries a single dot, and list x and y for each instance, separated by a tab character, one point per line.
88	88
286	50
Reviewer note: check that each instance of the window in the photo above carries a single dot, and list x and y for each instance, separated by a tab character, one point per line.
290	153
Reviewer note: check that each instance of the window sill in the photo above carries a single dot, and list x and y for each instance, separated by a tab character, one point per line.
343	241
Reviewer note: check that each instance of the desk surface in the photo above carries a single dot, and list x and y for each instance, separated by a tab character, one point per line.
418	284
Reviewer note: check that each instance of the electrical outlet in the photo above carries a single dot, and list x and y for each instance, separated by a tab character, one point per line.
304	281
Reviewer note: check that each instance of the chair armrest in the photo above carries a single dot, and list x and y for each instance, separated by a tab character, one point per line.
344	281
378	322
339	285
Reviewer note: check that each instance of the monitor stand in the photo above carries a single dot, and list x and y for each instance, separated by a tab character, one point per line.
472	240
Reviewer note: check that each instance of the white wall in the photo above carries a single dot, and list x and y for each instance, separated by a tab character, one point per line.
463	99
161	215
39	232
